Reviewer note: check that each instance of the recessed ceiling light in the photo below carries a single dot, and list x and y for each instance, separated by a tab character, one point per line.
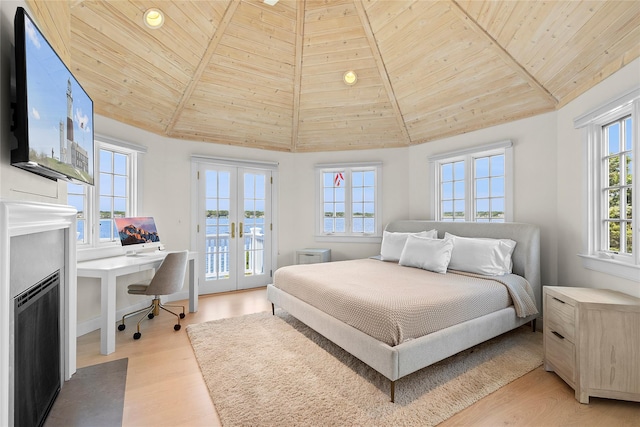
270	2
153	18
350	78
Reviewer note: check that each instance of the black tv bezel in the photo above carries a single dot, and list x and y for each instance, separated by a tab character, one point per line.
20	128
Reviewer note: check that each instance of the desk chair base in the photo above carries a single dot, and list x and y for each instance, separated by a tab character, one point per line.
152	311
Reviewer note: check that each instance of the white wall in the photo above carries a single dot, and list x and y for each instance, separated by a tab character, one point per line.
570	186
300	199
16	184
535	177
548	181
167	182
167	197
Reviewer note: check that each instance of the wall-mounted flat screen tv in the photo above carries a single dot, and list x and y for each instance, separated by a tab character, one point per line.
53	115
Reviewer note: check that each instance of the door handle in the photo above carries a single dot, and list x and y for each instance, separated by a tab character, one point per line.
233	230
240	230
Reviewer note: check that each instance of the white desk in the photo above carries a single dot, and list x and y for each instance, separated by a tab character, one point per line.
108	269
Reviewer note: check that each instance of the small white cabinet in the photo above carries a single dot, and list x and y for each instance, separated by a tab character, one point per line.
592	341
312	256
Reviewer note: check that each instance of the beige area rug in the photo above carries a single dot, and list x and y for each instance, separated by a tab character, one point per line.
265	370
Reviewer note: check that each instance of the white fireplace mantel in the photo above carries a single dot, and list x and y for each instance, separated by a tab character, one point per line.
20	218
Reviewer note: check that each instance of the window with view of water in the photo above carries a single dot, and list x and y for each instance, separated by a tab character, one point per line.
112	192
363	190
489	188
77	197
235	248
472	185
253	224
335	200
452	191
218	231
349	200
112	196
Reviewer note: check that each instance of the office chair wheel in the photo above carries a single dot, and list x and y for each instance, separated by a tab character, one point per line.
176	327
182	315
150	316
121	327
137	336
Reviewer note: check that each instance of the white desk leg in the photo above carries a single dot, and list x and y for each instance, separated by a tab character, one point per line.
193	285
108	326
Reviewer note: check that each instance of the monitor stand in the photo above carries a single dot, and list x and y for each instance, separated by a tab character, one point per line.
144	251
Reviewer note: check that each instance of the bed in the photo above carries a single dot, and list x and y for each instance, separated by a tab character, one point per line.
400	349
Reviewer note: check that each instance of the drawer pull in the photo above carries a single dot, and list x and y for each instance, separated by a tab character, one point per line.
557	334
559	300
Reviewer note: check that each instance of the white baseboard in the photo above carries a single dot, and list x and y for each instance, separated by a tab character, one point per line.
94	324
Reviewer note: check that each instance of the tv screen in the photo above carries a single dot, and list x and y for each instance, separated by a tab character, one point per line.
53	115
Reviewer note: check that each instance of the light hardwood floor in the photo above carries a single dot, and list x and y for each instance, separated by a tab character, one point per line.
164	385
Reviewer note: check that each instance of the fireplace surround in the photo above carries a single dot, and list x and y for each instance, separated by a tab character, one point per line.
35	239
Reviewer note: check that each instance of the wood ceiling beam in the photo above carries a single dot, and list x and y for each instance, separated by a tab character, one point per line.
297	78
382	69
502	53
203	64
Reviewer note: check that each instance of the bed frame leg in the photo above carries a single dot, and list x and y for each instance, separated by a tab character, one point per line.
533	325
393	391
273	309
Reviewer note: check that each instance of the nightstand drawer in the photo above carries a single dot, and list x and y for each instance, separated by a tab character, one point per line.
312	256
309	258
561	353
561	316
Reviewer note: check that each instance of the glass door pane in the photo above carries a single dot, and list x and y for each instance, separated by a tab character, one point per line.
236	243
253	224
219	212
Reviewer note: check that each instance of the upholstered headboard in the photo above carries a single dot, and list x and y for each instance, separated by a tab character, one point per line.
526	256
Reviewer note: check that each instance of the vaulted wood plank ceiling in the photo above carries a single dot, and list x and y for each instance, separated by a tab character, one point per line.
245	73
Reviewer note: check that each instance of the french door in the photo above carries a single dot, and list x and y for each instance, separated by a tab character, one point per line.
234	226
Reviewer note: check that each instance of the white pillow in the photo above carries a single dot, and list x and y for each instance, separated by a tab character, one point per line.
428	254
491	257
393	243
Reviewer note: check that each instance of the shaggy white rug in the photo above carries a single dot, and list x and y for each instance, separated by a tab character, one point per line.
265	370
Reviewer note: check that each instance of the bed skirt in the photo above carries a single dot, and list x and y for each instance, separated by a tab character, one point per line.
408	357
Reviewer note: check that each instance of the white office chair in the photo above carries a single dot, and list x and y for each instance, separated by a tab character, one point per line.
167	280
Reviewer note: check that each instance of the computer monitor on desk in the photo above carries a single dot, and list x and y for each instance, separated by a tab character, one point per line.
138	234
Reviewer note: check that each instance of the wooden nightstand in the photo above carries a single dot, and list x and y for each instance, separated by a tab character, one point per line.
592	341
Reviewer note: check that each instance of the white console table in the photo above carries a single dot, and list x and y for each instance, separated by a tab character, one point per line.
108	269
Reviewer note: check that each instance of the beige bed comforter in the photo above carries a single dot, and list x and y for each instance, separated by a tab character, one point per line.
393	303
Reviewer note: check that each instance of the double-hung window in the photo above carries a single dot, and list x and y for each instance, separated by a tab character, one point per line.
115	194
473	185
114	200
611	142
348	207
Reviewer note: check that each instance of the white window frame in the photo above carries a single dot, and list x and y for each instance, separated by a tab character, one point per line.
468	156
348	235
94	248
84	215
593	256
